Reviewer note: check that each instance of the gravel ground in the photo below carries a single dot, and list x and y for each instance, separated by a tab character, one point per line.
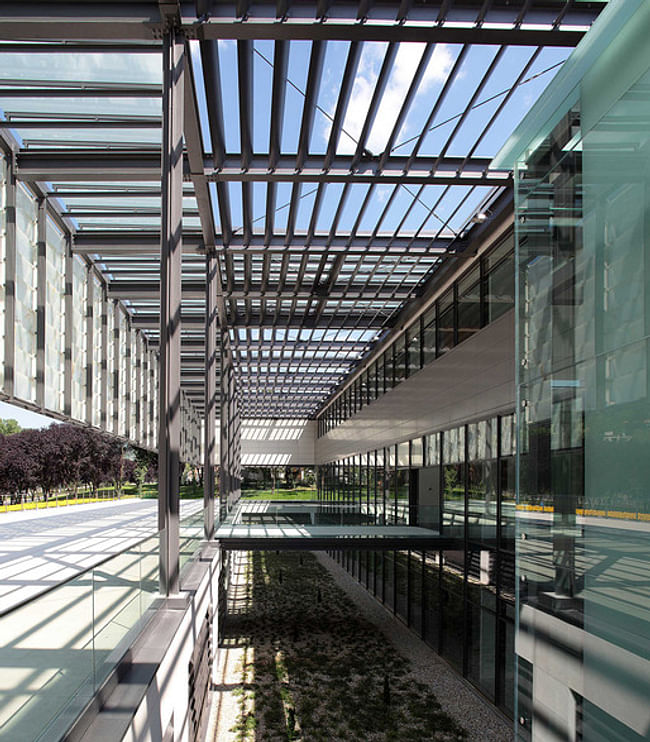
227	677
456	696
482	722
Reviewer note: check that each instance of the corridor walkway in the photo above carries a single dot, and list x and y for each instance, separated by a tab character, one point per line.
39	549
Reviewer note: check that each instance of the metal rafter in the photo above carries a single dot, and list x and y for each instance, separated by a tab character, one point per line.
321	290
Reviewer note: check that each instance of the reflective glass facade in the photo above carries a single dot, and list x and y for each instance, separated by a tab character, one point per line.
583	551
481	295
67	348
461	602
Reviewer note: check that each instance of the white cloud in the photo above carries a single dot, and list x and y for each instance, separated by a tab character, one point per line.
406	62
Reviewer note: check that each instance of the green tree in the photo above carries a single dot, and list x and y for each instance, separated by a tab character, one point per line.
9	427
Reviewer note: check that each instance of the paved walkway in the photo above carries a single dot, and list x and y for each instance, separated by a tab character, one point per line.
40	548
56	651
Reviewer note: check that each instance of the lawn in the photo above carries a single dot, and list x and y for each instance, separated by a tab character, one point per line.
314	670
104	494
298	493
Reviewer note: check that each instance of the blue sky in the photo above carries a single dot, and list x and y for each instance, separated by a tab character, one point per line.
437	68
25	418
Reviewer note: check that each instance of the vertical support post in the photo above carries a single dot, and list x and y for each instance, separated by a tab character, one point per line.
153	399
10	280
169	437
115	376
137	433
128	392
224	425
90	342
41	297
103	417
68	330
147	413
209	449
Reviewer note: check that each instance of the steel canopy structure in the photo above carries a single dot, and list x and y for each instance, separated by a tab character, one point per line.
321	162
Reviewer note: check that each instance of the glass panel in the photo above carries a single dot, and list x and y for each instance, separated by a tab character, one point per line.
389	579
453	639
481	650
391	514
583	507
482	479
25	327
87	624
415	591
429	335
413	348
79	347
400	360
432	606
432	449
417	457
389	367
401	584
54	318
500	280
469	304
446	326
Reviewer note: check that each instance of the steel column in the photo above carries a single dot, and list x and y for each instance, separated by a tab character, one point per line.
169	437
223	428
90	342
41	291
68	329
129	352
137	433
210	415
10	280
115	376
103	414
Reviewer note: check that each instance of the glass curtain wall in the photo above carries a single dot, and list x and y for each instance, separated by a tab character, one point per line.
55	256
24	361
79	338
110	367
584	331
583	509
3	263
480	296
461	602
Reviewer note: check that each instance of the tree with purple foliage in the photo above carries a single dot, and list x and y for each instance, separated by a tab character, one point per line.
68	455
17	470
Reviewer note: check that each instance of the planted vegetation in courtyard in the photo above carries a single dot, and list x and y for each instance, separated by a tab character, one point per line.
314	670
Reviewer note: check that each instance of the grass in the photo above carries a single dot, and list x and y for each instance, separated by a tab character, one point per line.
298	493
316	671
149	491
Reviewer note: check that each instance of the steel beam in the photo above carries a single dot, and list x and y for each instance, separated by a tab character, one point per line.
169	436
138	290
63	21
100	164
135	243
335	29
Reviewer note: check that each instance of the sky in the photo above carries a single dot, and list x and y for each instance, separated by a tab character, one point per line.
25	418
